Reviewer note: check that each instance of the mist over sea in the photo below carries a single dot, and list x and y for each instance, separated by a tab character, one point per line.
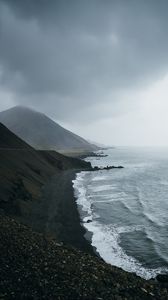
127	209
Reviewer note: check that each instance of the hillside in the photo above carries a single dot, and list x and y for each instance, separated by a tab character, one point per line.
35	267
41	132
35	263
24	171
11	141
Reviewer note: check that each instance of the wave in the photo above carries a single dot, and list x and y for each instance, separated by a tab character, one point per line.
102	188
80	193
99	178
106	238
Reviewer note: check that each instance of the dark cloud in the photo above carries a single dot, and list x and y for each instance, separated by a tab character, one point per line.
67	57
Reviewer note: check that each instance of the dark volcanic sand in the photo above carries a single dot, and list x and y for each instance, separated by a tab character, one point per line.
35	266
56	213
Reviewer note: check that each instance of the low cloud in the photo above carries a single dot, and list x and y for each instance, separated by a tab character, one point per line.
81	60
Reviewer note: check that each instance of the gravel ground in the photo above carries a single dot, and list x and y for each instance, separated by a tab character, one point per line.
33	266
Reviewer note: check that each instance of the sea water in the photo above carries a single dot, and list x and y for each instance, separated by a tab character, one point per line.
126	210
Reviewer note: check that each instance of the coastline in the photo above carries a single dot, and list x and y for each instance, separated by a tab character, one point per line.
35	267
118	257
56	213
61	261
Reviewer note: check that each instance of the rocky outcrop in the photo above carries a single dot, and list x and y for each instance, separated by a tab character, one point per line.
107	168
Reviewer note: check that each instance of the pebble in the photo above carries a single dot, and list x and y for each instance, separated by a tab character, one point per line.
61	272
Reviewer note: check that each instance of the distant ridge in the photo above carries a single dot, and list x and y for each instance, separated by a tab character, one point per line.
41	132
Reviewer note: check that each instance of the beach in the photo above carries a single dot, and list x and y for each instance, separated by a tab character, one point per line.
33	266
44	254
56	214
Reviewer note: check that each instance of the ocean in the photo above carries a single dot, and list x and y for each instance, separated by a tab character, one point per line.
126	210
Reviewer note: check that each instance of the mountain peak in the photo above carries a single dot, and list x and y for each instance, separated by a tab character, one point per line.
22	108
41	132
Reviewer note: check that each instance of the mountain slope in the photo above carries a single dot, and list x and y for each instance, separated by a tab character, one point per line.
24	170
41	132
10	141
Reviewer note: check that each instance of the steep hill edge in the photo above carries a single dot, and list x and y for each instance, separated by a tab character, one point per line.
41	132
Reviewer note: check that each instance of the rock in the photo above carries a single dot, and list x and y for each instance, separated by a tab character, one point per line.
145	291
106	168
112	167
54	272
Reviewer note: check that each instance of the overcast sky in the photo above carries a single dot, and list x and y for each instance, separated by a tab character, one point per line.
98	67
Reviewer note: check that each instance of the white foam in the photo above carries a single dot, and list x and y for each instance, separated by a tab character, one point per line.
88	218
80	193
125	229
106	201
106	238
99	178
102	188
106	197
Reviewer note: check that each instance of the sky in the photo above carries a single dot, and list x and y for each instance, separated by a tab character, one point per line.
97	67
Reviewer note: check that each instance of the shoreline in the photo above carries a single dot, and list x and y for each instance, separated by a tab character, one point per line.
56	213
62	261
159	277
35	267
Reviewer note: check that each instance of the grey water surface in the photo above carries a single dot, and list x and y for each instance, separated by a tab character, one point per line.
127	209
